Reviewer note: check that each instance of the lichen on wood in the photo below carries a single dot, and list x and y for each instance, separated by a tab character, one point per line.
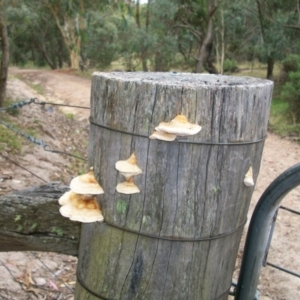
30	221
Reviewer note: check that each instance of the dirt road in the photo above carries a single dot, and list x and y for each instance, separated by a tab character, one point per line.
279	154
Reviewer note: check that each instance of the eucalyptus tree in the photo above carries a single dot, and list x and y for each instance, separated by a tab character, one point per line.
164	42
194	23
275	17
241	29
146	35
143	32
100	43
34	35
69	16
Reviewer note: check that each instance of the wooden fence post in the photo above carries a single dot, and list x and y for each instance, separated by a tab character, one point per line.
178	238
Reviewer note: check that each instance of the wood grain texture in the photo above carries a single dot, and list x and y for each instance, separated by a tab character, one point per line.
188	190
30	221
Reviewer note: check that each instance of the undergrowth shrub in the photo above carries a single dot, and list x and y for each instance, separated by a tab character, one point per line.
288	65
230	65
291	93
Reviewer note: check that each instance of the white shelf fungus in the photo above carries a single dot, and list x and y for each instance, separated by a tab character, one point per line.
128	168
127	187
80	203
163	136
248	180
86	184
179	126
81	208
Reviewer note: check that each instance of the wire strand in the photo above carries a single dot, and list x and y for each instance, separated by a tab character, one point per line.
12	275
17	164
59	104
179	239
35	141
21	104
18	105
67	286
179	141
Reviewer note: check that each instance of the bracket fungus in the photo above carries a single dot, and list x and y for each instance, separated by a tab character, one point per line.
86	184
80	203
248	180
127	187
81	208
128	168
163	136
179	126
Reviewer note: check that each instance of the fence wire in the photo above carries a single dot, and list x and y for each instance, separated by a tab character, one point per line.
47	148
38	102
31	138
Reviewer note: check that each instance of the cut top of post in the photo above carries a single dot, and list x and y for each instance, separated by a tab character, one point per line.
186	79
229	109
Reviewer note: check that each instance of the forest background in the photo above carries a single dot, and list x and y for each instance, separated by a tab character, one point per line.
257	38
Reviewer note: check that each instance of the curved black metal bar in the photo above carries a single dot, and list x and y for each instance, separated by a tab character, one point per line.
259	229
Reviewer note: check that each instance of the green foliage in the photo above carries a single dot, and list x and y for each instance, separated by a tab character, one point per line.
38	39
280	120
36	87
230	65
70	116
9	140
101	44
168	35
291	94
12	111
291	63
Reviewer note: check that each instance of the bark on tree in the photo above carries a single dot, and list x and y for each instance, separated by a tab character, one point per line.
143	54
4	59
30	221
150	246
204	48
71	30
203	52
270	67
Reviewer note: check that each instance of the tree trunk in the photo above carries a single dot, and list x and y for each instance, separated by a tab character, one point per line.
270	67
4	60
42	48
178	238
137	14
203	52
74	59
143	54
30	221
209	64
70	33
222	41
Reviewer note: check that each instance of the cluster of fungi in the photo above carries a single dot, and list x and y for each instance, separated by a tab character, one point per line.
128	168
80	203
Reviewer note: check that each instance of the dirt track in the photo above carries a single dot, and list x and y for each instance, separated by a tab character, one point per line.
279	154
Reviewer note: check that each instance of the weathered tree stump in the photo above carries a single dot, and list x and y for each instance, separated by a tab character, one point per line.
178	238
30	221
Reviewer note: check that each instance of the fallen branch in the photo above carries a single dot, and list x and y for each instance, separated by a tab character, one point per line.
30	221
